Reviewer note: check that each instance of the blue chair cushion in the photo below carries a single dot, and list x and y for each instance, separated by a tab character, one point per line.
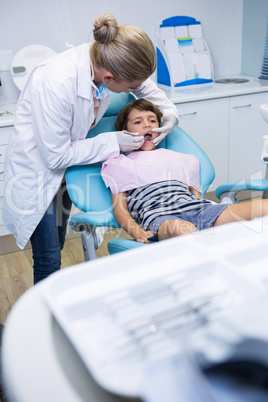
118	101
79	222
87	189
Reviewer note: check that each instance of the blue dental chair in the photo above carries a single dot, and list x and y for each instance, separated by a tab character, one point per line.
90	195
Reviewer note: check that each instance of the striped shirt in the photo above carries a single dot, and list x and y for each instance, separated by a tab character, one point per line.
163	198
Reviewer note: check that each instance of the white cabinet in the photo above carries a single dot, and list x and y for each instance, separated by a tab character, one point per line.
4	135
247	127
230	131
207	122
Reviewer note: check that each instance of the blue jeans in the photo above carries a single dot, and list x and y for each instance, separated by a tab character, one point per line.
49	236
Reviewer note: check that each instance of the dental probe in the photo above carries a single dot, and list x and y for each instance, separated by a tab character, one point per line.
132	134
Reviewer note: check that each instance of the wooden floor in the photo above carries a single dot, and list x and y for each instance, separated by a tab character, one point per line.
16	273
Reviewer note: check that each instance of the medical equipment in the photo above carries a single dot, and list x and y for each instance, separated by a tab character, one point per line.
14	71
18	70
132	134
25	60
138	310
183	57
89	193
264	153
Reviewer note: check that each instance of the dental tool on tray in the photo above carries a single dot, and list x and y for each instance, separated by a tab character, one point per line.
127	321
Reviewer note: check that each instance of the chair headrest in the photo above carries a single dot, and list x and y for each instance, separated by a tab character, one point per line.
118	101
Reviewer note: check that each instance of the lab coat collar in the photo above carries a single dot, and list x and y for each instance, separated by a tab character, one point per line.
86	77
85	82
103	106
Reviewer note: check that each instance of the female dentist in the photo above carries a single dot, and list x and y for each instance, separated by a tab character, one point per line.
64	98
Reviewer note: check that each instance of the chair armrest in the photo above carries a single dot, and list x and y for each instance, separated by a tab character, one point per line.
80	221
118	245
234	187
180	141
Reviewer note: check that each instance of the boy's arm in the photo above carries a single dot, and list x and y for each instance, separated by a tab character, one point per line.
125	220
195	192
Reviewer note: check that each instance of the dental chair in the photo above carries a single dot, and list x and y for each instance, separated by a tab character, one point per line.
90	195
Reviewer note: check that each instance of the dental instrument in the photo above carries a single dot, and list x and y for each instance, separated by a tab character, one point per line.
132	134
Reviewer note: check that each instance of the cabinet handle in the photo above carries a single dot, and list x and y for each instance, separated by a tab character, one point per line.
187	114
239	107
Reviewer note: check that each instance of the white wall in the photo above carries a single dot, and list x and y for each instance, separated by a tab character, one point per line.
52	22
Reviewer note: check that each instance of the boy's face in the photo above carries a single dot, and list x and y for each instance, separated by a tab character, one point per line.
142	122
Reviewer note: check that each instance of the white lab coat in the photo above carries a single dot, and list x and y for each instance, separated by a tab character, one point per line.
54	113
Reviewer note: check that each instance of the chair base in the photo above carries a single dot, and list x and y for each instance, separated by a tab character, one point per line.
88	244
119	245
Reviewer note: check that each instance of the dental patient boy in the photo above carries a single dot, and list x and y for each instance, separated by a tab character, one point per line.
160	188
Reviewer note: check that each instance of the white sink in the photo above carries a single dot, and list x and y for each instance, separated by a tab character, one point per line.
231	80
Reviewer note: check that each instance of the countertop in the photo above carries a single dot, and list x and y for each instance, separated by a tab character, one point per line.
7	114
190	93
214	90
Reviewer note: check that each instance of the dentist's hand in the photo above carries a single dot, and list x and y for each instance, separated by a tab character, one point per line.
129	141
169	121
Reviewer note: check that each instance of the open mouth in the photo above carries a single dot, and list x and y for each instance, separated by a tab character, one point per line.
148	137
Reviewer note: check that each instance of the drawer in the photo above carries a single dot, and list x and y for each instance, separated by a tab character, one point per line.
3	229
4	135
1	188
1	171
3	149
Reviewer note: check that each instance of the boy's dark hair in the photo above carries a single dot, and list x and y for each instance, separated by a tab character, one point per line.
140	104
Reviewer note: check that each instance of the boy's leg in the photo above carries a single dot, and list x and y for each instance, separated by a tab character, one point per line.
243	211
174	227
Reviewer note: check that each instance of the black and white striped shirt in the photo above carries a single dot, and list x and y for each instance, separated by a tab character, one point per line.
163	198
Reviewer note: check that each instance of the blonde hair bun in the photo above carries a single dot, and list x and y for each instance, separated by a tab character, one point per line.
105	28
126	51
